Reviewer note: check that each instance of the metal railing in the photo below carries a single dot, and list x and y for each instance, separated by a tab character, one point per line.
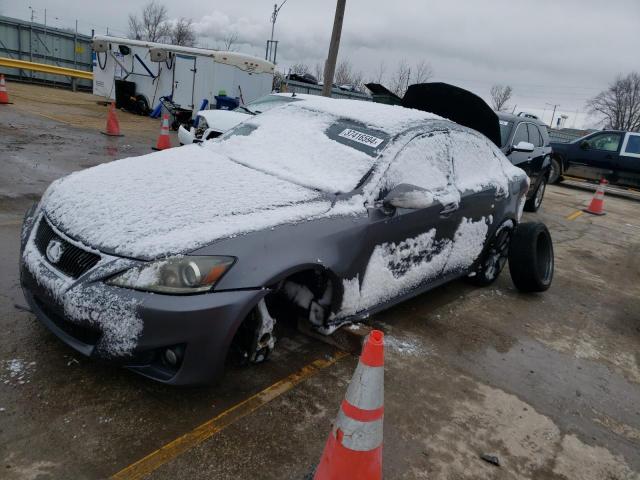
45	68
43	45
311	89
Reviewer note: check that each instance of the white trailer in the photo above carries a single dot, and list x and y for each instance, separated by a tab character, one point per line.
188	74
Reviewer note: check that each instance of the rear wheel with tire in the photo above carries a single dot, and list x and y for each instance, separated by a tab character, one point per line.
533	204
494	258
531	261
555	175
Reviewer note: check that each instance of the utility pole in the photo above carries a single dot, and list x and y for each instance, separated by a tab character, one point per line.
272	47
330	64
553	114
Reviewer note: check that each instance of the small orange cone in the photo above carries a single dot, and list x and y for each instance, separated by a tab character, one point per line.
4	96
354	448
113	127
164	141
596	207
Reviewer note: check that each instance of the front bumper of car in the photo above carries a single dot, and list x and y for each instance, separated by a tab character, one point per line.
198	329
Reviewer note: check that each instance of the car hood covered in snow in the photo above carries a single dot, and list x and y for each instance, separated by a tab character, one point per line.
223	120
172	202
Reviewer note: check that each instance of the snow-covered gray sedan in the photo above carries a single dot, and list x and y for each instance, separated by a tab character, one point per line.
326	209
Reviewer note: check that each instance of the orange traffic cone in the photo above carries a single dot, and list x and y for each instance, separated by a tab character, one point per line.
4	96
596	207
354	448
164	141
113	127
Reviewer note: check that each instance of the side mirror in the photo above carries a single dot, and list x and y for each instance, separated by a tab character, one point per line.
584	145
524	147
408	196
185	136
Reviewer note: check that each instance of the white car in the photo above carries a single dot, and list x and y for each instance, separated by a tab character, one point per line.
213	123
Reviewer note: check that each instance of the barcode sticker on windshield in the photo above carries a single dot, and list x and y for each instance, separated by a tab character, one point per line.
360	137
504	123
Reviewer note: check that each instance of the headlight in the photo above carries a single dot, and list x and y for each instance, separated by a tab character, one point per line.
175	275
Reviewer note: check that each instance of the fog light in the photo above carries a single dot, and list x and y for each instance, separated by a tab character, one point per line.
171	356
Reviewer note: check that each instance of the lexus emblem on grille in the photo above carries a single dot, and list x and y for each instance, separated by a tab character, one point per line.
54	251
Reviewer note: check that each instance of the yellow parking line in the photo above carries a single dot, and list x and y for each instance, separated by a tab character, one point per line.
574	215
56	119
173	449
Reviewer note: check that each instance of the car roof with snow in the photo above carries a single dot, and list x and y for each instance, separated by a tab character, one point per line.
392	119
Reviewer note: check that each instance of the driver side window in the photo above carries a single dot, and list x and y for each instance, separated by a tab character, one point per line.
604	141
424	162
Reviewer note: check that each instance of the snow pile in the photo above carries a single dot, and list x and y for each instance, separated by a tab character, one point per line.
396	268
16	371
290	143
404	346
173	201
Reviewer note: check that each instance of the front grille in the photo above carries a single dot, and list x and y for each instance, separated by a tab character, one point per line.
85	334
74	260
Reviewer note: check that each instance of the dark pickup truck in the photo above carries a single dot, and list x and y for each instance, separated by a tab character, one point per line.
611	154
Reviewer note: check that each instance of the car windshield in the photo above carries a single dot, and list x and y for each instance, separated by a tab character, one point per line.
266	103
505	131
306	147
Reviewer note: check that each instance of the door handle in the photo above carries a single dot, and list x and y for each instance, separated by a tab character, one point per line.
448	209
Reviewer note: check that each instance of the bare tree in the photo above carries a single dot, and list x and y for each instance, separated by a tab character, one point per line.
347	75
152	26
318	71
423	72
500	95
404	75
299	68
620	103
183	33
399	81
378	76
343	74
229	41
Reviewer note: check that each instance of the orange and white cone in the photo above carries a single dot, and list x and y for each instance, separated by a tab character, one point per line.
4	95
164	141
354	448
113	126
596	207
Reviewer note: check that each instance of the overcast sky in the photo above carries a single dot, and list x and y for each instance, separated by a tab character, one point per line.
550	51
